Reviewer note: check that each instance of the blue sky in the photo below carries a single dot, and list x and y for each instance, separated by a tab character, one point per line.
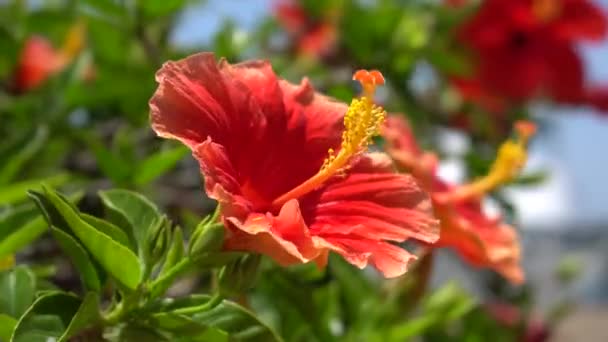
573	149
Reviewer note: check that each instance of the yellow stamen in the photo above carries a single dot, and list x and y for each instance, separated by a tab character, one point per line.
74	40
512	157
546	10
362	122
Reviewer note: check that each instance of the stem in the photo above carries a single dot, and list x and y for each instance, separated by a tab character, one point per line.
115	315
214	301
160	285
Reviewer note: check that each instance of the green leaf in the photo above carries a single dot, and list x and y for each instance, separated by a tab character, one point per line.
168	321
137	332
240	323
16	161
47	318
18	191
535	178
160	8
135	209
7	324
228	317
157	164
116	259
112	165
79	256
22	236
87	314
108	228
412	328
185	328
176	250
14	217
17	289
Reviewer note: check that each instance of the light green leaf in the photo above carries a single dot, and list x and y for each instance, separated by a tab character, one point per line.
47	318
7	324
238	322
79	257
14	217
17	289
15	162
157	164
22	236
116	259
412	328
176	250
108	228
18	191
135	209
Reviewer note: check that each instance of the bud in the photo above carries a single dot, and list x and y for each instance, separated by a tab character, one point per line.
157	241
239	275
207	238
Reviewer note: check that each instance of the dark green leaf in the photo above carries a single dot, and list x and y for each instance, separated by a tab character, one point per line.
79	257
14	164
160	8
47	318
238	322
87	314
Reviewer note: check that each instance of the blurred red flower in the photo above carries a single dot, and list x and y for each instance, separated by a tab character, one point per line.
39	60
528	46
290	176
313	37
481	240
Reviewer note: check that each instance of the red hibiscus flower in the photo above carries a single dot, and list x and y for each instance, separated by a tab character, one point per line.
481	240
39	60
314	37
528	46
288	167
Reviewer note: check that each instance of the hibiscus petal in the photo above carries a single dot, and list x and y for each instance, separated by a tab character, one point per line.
379	206
481	241
392	261
220	179
581	19
285	237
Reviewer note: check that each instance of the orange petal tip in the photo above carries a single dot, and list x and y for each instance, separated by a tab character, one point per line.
525	128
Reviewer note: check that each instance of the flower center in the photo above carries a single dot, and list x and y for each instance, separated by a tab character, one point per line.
546	10
512	156
362	122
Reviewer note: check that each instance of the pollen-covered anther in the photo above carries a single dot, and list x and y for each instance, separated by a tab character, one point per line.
511	159
369	80
362	121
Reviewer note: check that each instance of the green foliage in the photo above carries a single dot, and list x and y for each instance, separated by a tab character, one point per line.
18	287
